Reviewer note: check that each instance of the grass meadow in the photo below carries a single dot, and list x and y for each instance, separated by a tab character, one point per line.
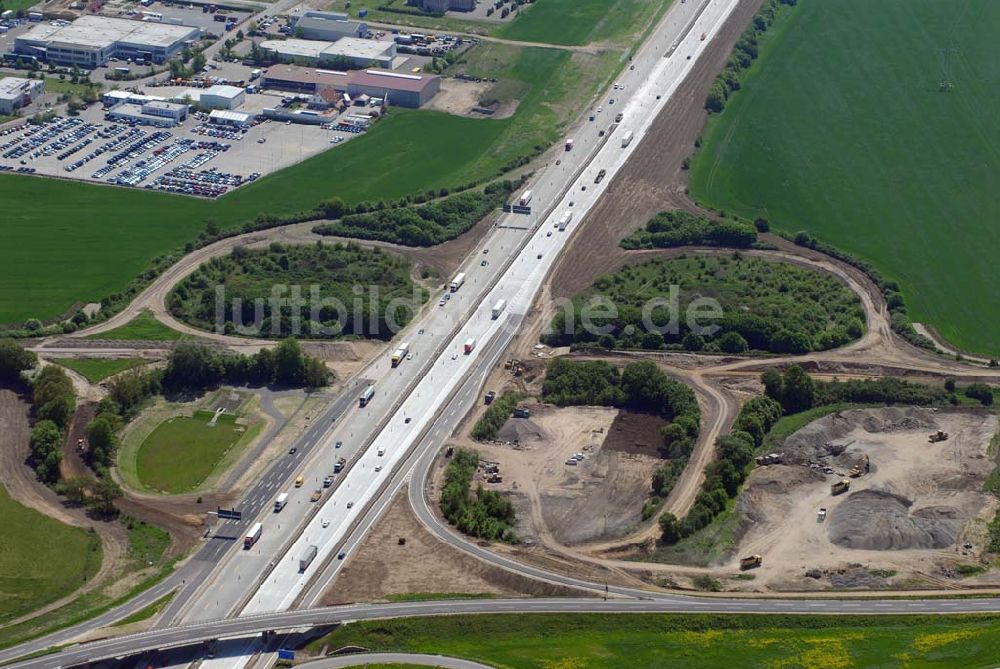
96	370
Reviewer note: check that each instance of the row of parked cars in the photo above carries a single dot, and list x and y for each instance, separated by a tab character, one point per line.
117	139
133	150
208	183
219	131
34	137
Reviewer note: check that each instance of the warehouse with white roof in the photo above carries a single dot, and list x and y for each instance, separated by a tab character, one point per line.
356	52
90	41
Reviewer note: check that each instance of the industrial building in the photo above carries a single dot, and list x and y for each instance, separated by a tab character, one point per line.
329	26
442	6
90	41
396	88
352	51
16	93
214	97
403	90
230	118
113	98
155	113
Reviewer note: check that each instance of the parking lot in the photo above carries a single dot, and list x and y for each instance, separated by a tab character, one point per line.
195	158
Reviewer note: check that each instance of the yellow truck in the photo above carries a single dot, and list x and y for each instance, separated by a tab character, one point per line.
751	562
840	487
299	481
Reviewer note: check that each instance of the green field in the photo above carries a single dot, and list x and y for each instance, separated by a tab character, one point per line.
576	22
96	370
73	242
583	641
41	559
182	452
143	327
840	129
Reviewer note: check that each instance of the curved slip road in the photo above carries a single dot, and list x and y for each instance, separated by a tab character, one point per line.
364	659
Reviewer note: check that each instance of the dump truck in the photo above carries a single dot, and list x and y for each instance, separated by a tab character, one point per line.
399	355
307	558
940	435
280	502
751	562
338	466
840	487
821	514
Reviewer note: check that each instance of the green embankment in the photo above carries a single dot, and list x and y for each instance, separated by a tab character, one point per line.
41	559
841	129
589	641
96	370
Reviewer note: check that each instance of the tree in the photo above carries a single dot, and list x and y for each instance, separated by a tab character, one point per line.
192	366
105	493
102	440
733	342
981	392
46	450
670	530
798	392
14	360
198	62
289	365
75	488
773	385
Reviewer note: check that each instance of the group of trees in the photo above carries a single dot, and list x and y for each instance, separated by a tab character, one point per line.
486	514
640	387
194	367
682	228
743	55
765	306
724	476
55	402
14	360
258	286
489	424
425	225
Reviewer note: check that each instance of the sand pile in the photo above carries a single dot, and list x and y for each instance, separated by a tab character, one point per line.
878	520
828	436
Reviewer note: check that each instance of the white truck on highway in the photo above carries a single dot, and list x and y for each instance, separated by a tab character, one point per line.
498	308
252	536
564	220
307	558
457	282
627	139
280	503
469	345
400	354
525	198
366	395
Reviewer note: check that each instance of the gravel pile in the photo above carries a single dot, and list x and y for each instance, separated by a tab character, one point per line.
882	521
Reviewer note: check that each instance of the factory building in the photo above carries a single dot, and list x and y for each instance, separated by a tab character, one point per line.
329	26
352	51
90	41
402	90
222	97
155	113
16	93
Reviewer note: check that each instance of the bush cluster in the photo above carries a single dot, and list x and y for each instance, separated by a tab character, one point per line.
488	426
744	53
54	404
426	225
487	514
681	228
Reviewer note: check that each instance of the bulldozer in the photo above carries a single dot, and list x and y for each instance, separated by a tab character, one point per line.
862	466
940	435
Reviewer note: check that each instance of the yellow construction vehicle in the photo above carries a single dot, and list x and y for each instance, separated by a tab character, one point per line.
840	487
940	435
751	562
863	466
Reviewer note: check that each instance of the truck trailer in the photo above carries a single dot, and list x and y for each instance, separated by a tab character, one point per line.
525	198
457	282
564	221
252	536
627	139
469	345
400	354
280	503
498	308
366	395
307	558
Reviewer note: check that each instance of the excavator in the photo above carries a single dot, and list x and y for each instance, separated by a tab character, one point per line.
862	466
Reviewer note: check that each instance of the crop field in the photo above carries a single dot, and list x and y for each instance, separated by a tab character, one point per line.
41	559
577	22
841	129
69	242
581	641
96	370
182	452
